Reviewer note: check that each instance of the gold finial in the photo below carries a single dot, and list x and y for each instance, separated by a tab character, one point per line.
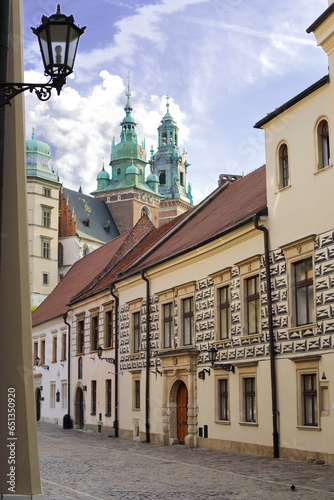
128	92
33	133
167	99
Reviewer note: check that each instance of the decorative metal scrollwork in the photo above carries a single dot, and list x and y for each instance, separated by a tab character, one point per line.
10	90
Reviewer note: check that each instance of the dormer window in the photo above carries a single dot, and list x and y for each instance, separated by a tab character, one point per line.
323	144
283	159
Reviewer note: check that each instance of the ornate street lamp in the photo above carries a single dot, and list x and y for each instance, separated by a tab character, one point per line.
212	358
99	354
37	361
58	38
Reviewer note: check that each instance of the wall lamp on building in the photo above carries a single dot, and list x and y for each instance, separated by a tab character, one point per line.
99	354
201	374
213	356
58	38
156	370
37	363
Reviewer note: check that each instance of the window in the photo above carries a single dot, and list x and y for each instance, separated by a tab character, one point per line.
42	361
223	399
145	211
323	145
224	312
164	138
181	178
45	249
137	394
162	177
136	331
46	217
93	397
80	336
63	347
94	339
60	254
283	166
108	398
310	399
64	395
108	325
85	250
253	305
45	278
54	349
80	368
52	394
188	320
35	352
304	296
249	399
167	324
47	192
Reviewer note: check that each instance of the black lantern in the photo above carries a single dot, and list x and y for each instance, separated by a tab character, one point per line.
37	360
58	38
212	358
99	355
212	355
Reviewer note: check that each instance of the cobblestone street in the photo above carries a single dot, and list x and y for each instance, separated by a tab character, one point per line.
82	465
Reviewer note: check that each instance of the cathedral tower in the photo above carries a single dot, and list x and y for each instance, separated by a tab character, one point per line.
127	193
171	169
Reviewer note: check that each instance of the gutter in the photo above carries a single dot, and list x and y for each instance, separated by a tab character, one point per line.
148	354
271	337
111	289
68	416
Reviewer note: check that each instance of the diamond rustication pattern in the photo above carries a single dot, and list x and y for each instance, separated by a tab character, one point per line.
288	341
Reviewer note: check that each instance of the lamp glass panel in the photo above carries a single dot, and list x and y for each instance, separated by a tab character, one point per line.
44	46
72	47
58	36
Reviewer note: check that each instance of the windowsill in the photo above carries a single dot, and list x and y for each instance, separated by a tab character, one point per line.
302	327
252	336
135	409
93	413
281	190
134	355
320	170
222	422
249	424
108	348
107	414
79	354
308	428
222	341
62	360
53	362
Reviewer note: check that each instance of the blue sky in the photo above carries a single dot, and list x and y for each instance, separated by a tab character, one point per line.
224	63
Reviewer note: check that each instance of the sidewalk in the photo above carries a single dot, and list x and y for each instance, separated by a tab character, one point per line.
83	465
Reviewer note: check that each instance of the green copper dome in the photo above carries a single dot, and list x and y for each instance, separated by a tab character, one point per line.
38	156
132	170
103	174
152	178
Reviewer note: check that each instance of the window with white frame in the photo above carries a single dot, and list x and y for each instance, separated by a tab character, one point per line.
108	328
94	331
323	144
309	406
248	394
222	294
46	217
300	272
223	399
185	297
46	249
166	318
135	325
250	296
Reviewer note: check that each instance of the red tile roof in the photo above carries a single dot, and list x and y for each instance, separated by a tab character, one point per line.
223	209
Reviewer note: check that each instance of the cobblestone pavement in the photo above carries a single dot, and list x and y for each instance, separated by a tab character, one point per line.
83	465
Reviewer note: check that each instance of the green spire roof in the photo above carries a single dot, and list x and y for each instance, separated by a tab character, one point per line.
38	155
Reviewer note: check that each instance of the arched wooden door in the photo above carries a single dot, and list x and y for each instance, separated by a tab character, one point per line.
38	404
79	412
182	413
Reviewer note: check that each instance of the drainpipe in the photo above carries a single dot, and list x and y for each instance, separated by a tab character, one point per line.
5	6
271	337
111	289
147	402
68	424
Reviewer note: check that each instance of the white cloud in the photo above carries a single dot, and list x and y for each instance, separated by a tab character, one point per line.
80	129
